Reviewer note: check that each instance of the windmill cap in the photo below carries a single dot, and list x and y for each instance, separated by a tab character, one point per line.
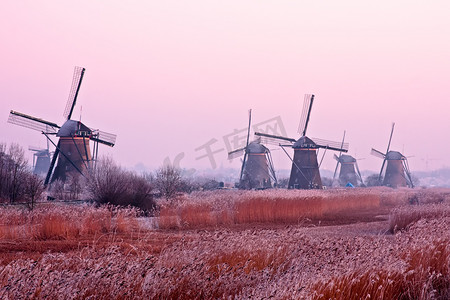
304	142
394	155
344	158
73	128
256	148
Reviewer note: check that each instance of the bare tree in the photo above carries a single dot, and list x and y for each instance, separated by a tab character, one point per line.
34	188
168	181
13	169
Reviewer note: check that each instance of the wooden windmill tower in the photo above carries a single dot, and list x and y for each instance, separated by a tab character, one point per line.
348	169
257	170
72	153
396	173
305	167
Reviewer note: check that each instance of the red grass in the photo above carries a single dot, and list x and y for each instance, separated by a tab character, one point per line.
275	207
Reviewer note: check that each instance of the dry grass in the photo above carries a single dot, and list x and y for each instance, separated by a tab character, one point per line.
77	252
403	217
53	222
272	206
425	277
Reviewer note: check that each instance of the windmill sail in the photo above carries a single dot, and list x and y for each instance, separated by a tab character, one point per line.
377	153
78	74
236	153
30	122
306	113
104	138
336	146
273	139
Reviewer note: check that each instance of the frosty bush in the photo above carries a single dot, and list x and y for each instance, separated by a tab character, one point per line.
109	183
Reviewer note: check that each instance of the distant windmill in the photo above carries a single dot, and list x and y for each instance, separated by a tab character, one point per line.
305	167
257	170
41	160
74	137
397	172
349	170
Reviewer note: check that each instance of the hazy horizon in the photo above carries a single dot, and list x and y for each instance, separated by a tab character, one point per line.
174	78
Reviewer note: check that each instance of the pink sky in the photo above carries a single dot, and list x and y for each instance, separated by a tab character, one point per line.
169	76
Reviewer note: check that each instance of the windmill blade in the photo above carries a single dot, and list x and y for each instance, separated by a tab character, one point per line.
236	153
306	113
377	153
30	122
382	168
52	164
271	168
273	139
36	149
246	145
78	74
323	156
337	165
408	173
336	146
105	138
359	174
390	138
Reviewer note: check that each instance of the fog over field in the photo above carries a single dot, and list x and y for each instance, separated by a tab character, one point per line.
174	80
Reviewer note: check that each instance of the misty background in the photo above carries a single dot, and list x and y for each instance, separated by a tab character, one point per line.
173	79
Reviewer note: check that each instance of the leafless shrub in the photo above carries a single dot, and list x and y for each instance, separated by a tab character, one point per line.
109	183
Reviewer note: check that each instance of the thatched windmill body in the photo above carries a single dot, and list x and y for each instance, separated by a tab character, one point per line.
257	170
72	152
395	167
305	172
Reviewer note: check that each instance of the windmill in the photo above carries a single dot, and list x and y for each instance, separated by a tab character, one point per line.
349	171
72	152
257	170
41	160
396	173
305	167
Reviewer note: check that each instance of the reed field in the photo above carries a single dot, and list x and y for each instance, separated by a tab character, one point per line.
376	243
